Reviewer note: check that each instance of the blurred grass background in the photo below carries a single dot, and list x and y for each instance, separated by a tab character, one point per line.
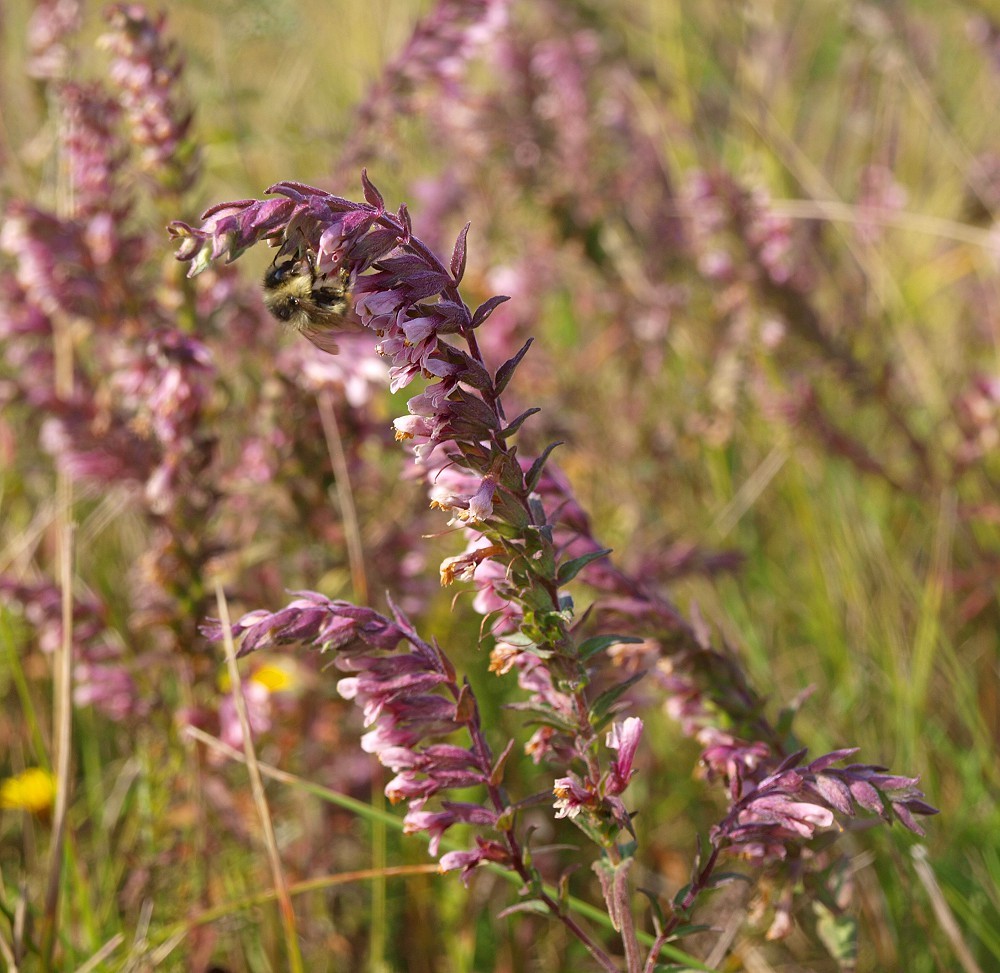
848	582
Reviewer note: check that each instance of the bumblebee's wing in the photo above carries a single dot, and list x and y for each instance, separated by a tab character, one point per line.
322	338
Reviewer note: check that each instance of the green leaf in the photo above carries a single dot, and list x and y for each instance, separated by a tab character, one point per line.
598	643
659	919
839	934
570	569
532	476
506	371
719	879
534	906
600	712
544	715
516	424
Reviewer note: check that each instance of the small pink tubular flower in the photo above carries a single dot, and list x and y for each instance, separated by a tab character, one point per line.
623	737
95	154
41	603
728	757
785	815
481	502
169	385
100	679
492	599
54	265
463	566
51	23
468	861
572	796
436	823
109	687
419	774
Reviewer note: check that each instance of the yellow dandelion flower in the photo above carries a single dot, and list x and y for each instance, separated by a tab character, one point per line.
32	790
274	677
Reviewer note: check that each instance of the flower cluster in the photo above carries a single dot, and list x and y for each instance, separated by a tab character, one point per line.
793	801
438	50
95	155
573	795
410	300
552	115
726	217
136	420
52	23
145	70
101	677
519	556
549	125
410	699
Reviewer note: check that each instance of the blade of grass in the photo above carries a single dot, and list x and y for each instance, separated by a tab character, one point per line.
945	917
62	735
359	584
257	789
358	807
28	710
102	954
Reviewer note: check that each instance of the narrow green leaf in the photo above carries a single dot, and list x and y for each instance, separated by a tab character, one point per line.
516	424
600	712
598	643
506	371
570	569
532	476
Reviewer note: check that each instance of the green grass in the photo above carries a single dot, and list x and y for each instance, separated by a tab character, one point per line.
848	584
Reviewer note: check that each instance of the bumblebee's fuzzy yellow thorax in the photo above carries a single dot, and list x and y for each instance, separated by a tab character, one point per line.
295	294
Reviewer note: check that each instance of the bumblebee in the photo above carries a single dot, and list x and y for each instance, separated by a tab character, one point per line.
296	294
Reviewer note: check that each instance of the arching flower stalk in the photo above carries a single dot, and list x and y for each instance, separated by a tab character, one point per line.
527	538
460	436
414	703
456	427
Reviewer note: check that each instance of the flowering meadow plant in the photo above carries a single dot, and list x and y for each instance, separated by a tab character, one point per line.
548	570
521	555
